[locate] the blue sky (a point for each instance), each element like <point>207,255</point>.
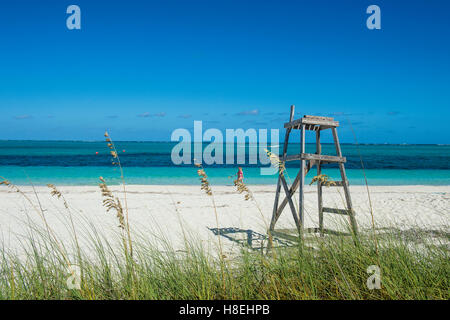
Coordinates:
<point>144,68</point>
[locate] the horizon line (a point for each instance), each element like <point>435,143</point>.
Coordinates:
<point>165,141</point>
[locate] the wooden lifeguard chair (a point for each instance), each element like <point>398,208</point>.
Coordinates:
<point>307,161</point>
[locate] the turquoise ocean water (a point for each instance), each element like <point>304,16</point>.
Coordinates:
<point>81,163</point>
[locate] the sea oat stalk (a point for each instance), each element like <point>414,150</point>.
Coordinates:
<point>207,188</point>
<point>116,161</point>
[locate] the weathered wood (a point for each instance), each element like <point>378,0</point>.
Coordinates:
<point>319,184</point>
<point>337,184</point>
<point>319,122</point>
<point>327,231</point>
<point>286,236</point>
<point>333,184</point>
<point>275,204</point>
<point>291,204</point>
<point>307,160</point>
<point>301,207</point>
<point>292,189</point>
<point>289,234</point>
<point>290,231</point>
<point>345,183</point>
<point>277,194</point>
<point>337,211</point>
<point>318,117</point>
<point>291,115</point>
<point>309,121</point>
<point>317,157</point>
<point>313,127</point>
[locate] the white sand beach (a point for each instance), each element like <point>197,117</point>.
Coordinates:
<point>176,211</point>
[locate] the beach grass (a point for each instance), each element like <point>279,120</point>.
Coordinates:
<point>323,268</point>
<point>93,266</point>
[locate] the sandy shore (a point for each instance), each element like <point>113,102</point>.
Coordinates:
<point>175,211</point>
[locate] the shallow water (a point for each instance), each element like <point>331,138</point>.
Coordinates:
<point>80,163</point>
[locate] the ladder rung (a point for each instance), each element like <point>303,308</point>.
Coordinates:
<point>327,231</point>
<point>312,156</point>
<point>285,234</point>
<point>292,234</point>
<point>313,121</point>
<point>334,184</point>
<point>334,210</point>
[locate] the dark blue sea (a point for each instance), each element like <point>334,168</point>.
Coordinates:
<point>82,163</point>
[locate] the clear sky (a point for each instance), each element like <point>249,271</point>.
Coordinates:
<point>143,68</point>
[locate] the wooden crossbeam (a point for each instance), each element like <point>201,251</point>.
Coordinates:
<point>291,203</point>
<point>289,234</point>
<point>335,184</point>
<point>308,121</point>
<point>318,117</point>
<point>292,190</point>
<point>285,235</point>
<point>275,214</point>
<point>318,157</point>
<point>337,211</point>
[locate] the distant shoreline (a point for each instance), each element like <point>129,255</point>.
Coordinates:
<point>279,142</point>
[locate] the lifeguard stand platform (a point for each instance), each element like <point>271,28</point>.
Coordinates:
<point>307,161</point>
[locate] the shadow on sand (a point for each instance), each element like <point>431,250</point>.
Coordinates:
<point>249,238</point>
